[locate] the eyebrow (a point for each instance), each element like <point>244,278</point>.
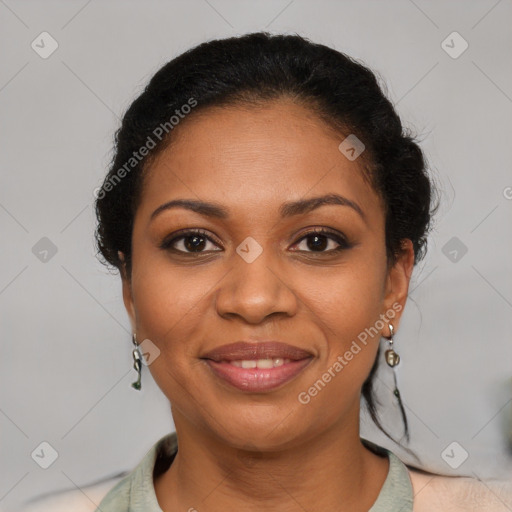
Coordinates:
<point>288,209</point>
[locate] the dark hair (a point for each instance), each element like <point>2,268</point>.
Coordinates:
<point>251,70</point>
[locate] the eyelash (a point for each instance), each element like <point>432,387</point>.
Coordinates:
<point>343,244</point>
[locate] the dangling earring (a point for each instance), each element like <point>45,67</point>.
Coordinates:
<point>393,359</point>
<point>137,363</point>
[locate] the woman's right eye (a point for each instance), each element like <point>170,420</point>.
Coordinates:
<point>188,242</point>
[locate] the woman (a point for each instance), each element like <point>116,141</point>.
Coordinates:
<point>265,210</point>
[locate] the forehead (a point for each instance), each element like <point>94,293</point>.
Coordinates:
<point>253,159</point>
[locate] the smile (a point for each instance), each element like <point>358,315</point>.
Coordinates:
<point>258,375</point>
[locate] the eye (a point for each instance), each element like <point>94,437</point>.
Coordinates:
<point>318,240</point>
<point>188,242</point>
<point>196,242</point>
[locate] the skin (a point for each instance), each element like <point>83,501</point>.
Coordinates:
<point>253,451</point>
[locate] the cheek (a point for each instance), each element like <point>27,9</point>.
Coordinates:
<point>168,300</point>
<point>347,298</point>
<point>168,306</point>
<point>346,318</point>
<point>346,305</point>
<point>173,309</point>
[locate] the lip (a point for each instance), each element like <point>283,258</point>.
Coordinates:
<point>261,350</point>
<point>257,379</point>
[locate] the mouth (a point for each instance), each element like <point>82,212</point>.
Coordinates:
<point>257,367</point>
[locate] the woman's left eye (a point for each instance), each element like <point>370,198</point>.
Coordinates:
<point>318,240</point>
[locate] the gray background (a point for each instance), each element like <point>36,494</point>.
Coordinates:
<point>65,355</point>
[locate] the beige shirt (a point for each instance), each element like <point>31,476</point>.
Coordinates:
<point>134,491</point>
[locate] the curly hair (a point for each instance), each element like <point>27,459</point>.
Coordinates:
<point>251,70</point>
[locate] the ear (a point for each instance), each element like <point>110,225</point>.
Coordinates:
<point>127,293</point>
<point>397,282</point>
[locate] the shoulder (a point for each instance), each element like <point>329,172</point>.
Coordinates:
<point>85,499</point>
<point>112,494</point>
<point>433,493</point>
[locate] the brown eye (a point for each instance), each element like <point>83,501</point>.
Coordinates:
<point>188,242</point>
<point>321,239</point>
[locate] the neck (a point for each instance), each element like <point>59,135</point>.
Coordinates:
<point>209,474</point>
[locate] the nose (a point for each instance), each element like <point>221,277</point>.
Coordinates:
<point>254,291</point>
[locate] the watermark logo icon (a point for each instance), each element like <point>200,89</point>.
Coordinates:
<point>454,45</point>
<point>250,455</point>
<point>44,249</point>
<point>351,147</point>
<point>454,249</point>
<point>249,249</point>
<point>454,455</point>
<point>44,45</point>
<point>149,352</point>
<point>44,455</point>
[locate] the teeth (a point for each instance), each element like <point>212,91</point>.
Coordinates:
<point>260,363</point>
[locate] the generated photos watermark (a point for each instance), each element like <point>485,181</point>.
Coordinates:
<point>304,397</point>
<point>137,156</point>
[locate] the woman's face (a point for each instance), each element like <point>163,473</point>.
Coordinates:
<point>254,275</point>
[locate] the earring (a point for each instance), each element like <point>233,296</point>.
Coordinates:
<point>137,363</point>
<point>392,358</point>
